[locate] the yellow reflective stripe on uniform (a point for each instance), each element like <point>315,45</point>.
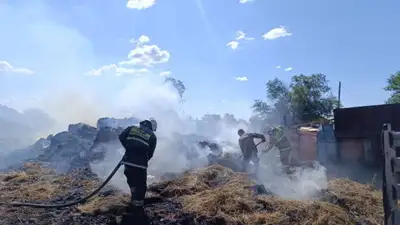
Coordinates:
<point>133,165</point>
<point>135,131</point>
<point>285,149</point>
<point>137,139</point>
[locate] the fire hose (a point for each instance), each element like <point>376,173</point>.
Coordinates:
<point>79,201</point>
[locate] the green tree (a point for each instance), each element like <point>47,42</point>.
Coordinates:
<point>261,109</point>
<point>306,98</point>
<point>393,85</point>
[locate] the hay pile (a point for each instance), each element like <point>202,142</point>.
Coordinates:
<point>38,183</point>
<point>212,195</point>
<point>218,192</point>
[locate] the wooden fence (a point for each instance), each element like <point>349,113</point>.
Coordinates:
<point>391,172</point>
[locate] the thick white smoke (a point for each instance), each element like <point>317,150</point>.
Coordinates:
<point>302,184</point>
<point>68,97</point>
<point>150,96</point>
<point>177,134</point>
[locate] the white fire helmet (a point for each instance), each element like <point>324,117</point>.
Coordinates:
<point>153,123</point>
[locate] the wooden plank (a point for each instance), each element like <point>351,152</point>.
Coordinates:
<point>396,165</point>
<point>396,191</point>
<point>389,155</point>
<point>396,216</point>
<point>394,139</point>
<point>387,185</point>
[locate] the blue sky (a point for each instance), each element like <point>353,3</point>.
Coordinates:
<point>53,43</point>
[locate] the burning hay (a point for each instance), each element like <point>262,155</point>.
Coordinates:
<point>212,195</point>
<point>193,181</point>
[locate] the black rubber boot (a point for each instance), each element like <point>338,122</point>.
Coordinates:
<point>140,215</point>
<point>138,211</point>
<point>136,217</point>
<point>127,219</point>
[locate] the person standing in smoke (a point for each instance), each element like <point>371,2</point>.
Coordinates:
<point>278,139</point>
<point>249,148</point>
<point>139,143</point>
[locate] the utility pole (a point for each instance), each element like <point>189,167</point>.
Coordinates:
<point>339,93</point>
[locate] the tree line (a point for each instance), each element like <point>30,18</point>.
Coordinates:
<point>305,98</point>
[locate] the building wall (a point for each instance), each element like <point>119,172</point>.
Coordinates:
<point>365,121</point>
<point>304,145</point>
<point>308,146</point>
<point>326,145</point>
<point>351,150</point>
<point>364,151</point>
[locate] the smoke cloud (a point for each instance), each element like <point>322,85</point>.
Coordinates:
<point>177,134</point>
<point>302,184</point>
<point>177,149</point>
<point>59,55</point>
<point>177,137</point>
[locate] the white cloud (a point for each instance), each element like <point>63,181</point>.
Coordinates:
<point>245,1</point>
<point>143,39</point>
<point>278,67</point>
<point>241,35</point>
<point>165,73</point>
<point>276,33</point>
<point>241,78</point>
<point>142,55</point>
<point>288,69</point>
<point>140,4</point>
<point>146,55</point>
<point>122,70</point>
<point>113,69</point>
<point>233,45</point>
<point>6,67</point>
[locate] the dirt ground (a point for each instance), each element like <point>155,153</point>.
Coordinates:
<point>212,195</point>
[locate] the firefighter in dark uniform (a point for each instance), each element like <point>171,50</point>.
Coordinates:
<point>249,148</point>
<point>139,143</point>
